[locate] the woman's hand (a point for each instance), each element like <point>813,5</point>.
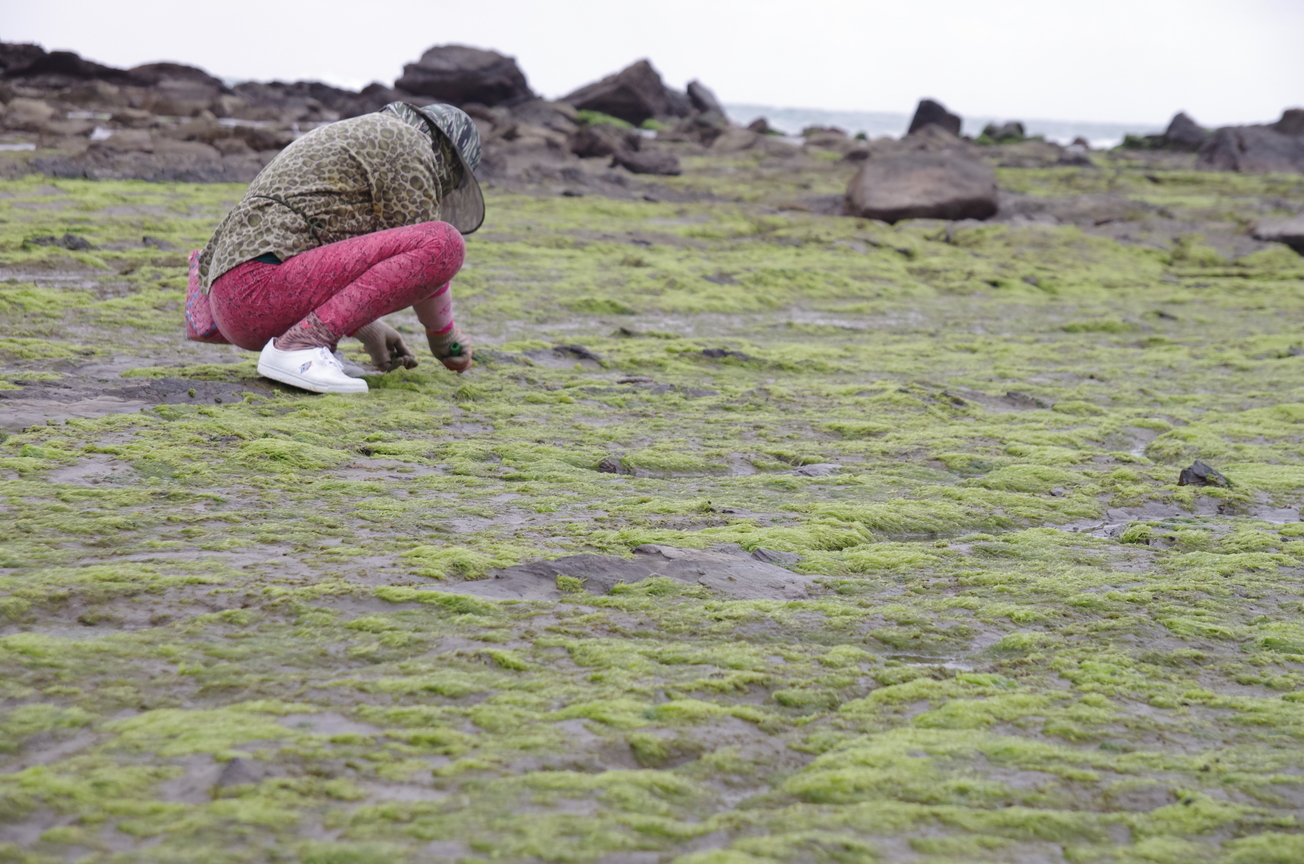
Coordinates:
<point>453,349</point>
<point>387,349</point>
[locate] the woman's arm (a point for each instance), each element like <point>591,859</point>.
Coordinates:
<point>449,344</point>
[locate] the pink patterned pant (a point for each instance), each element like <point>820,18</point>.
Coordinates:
<point>347,284</point>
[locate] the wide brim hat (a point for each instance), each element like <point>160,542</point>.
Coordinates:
<point>463,208</point>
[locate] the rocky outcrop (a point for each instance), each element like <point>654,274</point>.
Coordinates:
<point>1290,232</point>
<point>1185,134</point>
<point>703,99</point>
<point>63,68</point>
<point>16,55</point>
<point>634,94</point>
<point>1257,149</point>
<point>945,184</point>
<point>932,113</point>
<point>461,75</point>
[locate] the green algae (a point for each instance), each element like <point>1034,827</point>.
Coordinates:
<point>969,678</point>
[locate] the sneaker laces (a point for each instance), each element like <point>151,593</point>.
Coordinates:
<point>328,358</point>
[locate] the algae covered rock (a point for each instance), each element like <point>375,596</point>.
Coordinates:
<point>922,185</point>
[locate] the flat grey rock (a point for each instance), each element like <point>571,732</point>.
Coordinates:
<point>740,577</point>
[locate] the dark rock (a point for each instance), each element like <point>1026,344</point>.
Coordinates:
<point>154,74</point>
<point>579,352</point>
<point>703,99</point>
<point>1291,122</point>
<point>656,162</point>
<point>1006,133</point>
<point>298,101</point>
<point>934,113</point>
<point>923,185</point>
<point>761,126</point>
<point>680,104</point>
<point>62,68</point>
<point>71,242</point>
<point>1290,232</point>
<point>1200,474</point>
<point>1184,134</point>
<point>602,139</point>
<point>458,74</point>
<point>612,466</point>
<point>1252,149</point>
<point>17,55</point>
<point>633,94</point>
<point>701,128</point>
<point>725,353</point>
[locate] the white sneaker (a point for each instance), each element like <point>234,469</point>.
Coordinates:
<point>313,369</point>
<point>353,370</point>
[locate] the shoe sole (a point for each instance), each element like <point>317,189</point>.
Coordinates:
<point>355,385</point>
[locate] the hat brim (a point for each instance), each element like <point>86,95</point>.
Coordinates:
<point>463,208</point>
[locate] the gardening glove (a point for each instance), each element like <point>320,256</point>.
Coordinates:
<point>452,348</point>
<point>386,347</point>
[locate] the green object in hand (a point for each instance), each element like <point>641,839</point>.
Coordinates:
<point>455,349</point>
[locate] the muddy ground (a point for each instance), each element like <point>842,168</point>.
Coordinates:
<point>924,587</point>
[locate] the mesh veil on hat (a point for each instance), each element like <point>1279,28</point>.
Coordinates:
<point>463,207</point>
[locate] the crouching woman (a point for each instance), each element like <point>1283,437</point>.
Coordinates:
<point>351,222</point>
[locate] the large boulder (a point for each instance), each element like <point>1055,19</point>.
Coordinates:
<point>461,75</point>
<point>1290,232</point>
<point>919,184</point>
<point>703,99</point>
<point>1256,149</point>
<point>633,94</point>
<point>1184,133</point>
<point>930,112</point>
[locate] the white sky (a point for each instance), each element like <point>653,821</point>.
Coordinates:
<point>1109,60</point>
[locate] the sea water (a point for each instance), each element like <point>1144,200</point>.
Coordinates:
<point>876,124</point>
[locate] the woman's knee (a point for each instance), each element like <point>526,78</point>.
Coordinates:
<point>444,244</point>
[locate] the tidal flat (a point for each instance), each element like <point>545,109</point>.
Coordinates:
<point>232,618</point>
